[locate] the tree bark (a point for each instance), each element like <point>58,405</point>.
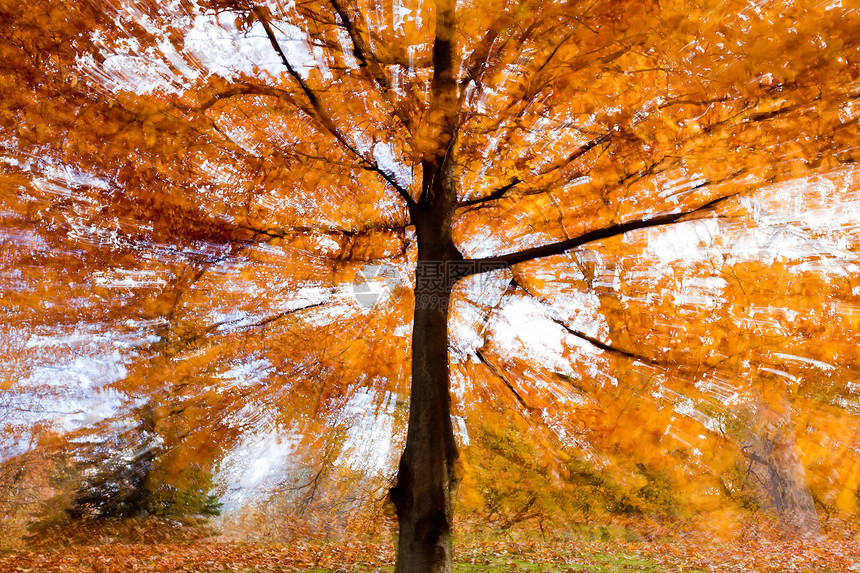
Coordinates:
<point>426,480</point>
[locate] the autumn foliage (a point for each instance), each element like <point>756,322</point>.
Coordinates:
<point>614,245</point>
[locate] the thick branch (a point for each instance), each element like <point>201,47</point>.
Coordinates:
<point>497,194</point>
<point>349,236</point>
<point>284,233</point>
<point>503,261</point>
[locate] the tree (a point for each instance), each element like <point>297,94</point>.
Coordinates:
<point>210,176</point>
<point>125,482</point>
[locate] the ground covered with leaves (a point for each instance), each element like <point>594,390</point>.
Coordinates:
<point>822,556</point>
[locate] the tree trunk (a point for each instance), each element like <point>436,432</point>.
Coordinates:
<point>783,478</point>
<point>426,481</point>
<point>787,485</point>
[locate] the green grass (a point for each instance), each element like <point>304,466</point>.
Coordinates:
<point>585,564</point>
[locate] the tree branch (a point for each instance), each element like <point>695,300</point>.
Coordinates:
<point>581,335</point>
<point>248,89</point>
<point>751,118</point>
<point>479,353</point>
<point>284,233</point>
<point>534,85</point>
<point>504,261</point>
<point>478,58</point>
<point>606,347</point>
<point>350,237</point>
<point>362,51</point>
<point>514,181</point>
<point>185,342</point>
<point>496,194</point>
<point>319,110</point>
<point>281,315</point>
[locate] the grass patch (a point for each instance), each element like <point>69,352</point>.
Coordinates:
<point>591,563</point>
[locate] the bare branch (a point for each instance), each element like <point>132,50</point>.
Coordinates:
<point>189,340</point>
<point>493,196</point>
<point>281,315</point>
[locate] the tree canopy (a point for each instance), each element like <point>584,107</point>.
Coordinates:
<point>631,228</point>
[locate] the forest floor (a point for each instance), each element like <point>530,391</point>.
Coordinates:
<point>535,556</point>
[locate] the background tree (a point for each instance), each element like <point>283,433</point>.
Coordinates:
<point>666,190</point>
